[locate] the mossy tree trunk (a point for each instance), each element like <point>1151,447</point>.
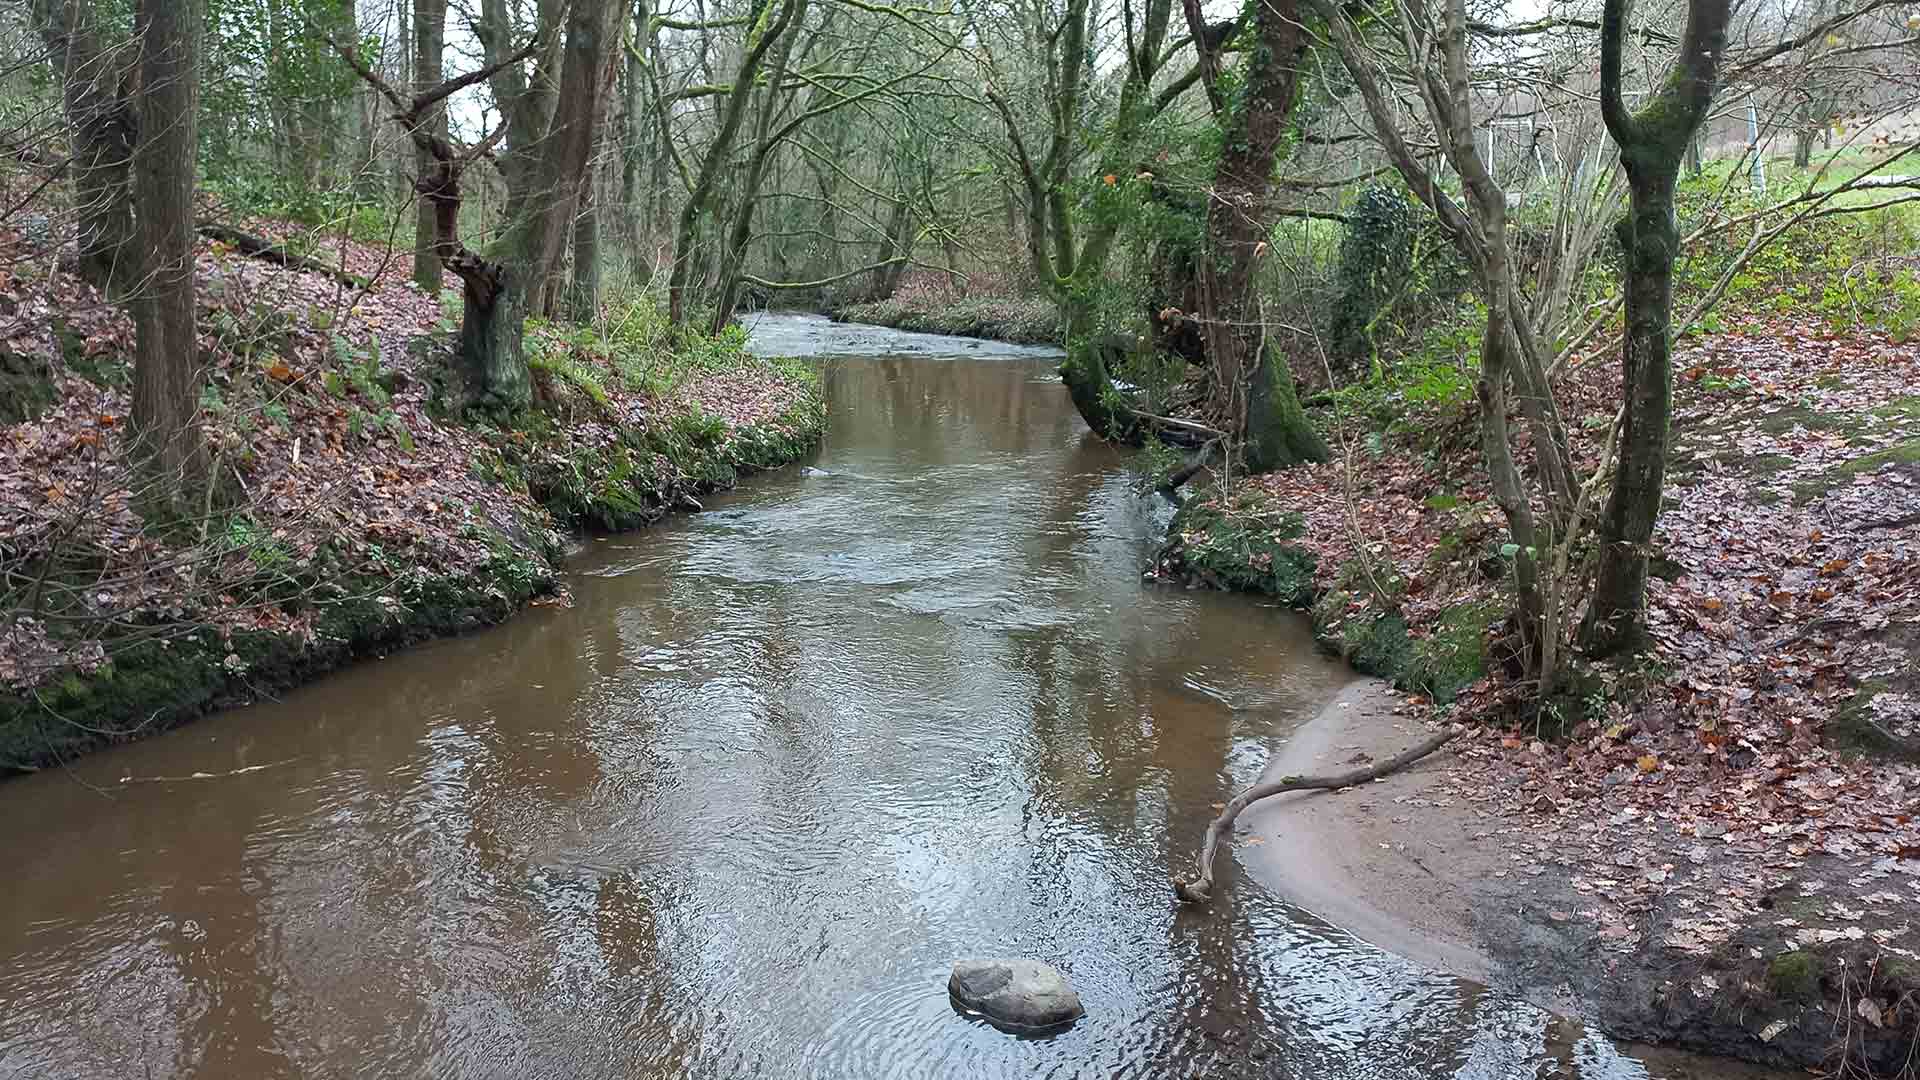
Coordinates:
<point>584,298</point>
<point>1088,374</point>
<point>1252,393</point>
<point>1069,255</point>
<point>1653,143</point>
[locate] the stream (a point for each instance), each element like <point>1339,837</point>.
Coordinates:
<point>736,810</point>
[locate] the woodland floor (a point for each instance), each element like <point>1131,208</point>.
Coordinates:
<point>353,511</point>
<point>1727,827</point>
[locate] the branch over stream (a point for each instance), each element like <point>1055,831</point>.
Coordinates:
<point>1200,890</point>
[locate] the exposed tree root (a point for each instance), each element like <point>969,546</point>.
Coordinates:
<point>1200,890</point>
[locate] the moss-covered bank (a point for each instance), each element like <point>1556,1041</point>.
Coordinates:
<point>156,678</point>
<point>1030,321</point>
<point>1246,542</point>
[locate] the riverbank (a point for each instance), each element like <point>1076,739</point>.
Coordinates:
<point>1713,848</point>
<point>353,511</point>
<point>1017,320</point>
<point>1456,864</point>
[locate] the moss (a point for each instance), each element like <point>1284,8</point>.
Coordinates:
<point>1906,408</point>
<point>1786,420</point>
<point>1901,453</point>
<point>637,480</point>
<point>1454,656</point>
<point>1851,729</point>
<point>154,685</point>
<point>1378,646</point>
<point>1242,546</point>
<point>1794,976</point>
<point>26,386</point>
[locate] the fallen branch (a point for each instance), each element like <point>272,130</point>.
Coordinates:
<point>1171,487</point>
<point>1174,423</point>
<point>260,247</point>
<point>1200,890</point>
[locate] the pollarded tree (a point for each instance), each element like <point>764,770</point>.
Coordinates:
<point>549,126</point>
<point>1653,142</point>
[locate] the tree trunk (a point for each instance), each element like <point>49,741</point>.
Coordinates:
<point>733,114</point>
<point>585,79</point>
<point>886,272</point>
<point>1252,390</point>
<point>1087,373</point>
<point>166,366</point>
<point>1652,143</point>
<point>429,47</point>
<point>97,106</point>
<point>584,301</point>
<point>493,339</point>
<point>634,209</point>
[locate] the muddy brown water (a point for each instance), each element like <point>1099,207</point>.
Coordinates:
<point>735,811</point>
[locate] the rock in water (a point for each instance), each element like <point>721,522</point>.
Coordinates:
<point>1017,995</point>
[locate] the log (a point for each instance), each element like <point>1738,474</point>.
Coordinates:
<point>260,247</point>
<point>1200,890</point>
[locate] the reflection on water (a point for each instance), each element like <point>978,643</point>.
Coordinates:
<point>735,811</point>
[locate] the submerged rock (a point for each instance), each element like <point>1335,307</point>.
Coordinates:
<point>1015,994</point>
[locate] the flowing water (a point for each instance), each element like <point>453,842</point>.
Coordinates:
<point>735,812</point>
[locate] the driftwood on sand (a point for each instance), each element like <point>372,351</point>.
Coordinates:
<point>1200,890</point>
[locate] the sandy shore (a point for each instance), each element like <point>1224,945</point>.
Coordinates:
<point>1420,866</point>
<point>1394,862</point>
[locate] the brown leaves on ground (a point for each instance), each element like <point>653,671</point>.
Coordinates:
<point>1708,777</point>
<point>316,415</point>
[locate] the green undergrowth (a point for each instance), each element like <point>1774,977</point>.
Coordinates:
<point>1248,543</point>
<point>1368,631</point>
<point>1022,321</point>
<point>1852,270</point>
<point>1240,544</point>
<point>655,446</point>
